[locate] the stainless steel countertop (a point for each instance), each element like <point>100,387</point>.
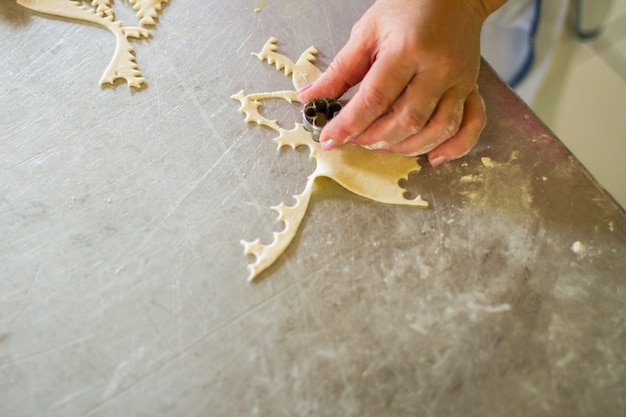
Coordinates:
<point>123,284</point>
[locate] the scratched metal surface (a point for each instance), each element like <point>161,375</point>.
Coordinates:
<point>123,291</point>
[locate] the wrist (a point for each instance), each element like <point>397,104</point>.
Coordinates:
<point>481,9</point>
<point>491,6</point>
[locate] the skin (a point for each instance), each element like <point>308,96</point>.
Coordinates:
<point>417,63</point>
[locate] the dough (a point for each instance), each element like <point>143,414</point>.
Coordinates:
<point>260,4</point>
<point>123,64</point>
<point>487,162</point>
<point>371,174</point>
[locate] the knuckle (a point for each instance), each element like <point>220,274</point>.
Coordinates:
<point>447,130</point>
<point>376,102</point>
<point>411,120</point>
<point>359,28</point>
<point>336,65</point>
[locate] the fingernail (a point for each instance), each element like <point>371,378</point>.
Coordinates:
<point>329,145</point>
<point>438,161</point>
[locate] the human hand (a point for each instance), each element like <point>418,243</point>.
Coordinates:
<point>417,62</point>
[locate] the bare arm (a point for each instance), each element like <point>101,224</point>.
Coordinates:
<point>417,63</point>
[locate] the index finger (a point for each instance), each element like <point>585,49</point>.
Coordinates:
<point>387,78</point>
<point>346,70</point>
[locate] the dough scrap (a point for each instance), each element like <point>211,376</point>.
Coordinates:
<point>488,162</point>
<point>123,64</point>
<point>260,4</point>
<point>370,174</point>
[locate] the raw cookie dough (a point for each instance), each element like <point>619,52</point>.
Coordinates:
<point>371,174</point>
<point>123,64</point>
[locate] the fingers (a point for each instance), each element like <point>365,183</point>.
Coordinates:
<point>447,127</point>
<point>424,110</point>
<point>474,121</point>
<point>347,69</point>
<point>382,85</point>
<point>417,68</point>
<point>441,125</point>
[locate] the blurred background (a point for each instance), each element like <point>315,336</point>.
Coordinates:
<point>583,98</point>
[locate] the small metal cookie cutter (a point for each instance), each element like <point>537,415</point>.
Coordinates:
<point>317,113</point>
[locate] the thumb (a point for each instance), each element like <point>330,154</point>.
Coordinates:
<point>347,69</point>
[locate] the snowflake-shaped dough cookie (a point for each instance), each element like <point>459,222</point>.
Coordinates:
<point>371,174</point>
<point>123,64</point>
